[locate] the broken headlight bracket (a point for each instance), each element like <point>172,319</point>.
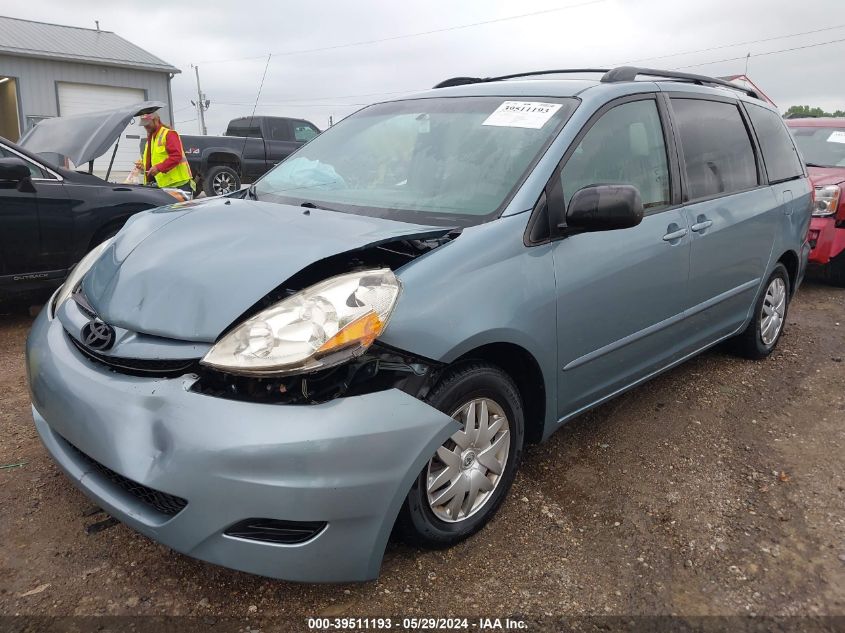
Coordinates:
<point>380,367</point>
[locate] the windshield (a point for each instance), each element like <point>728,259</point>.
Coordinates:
<point>823,146</point>
<point>444,161</point>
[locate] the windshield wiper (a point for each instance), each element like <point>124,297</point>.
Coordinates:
<point>310,205</point>
<point>250,192</point>
<point>817,165</point>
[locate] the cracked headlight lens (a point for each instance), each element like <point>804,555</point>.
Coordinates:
<point>321,326</point>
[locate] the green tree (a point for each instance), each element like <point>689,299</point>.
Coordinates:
<point>806,111</point>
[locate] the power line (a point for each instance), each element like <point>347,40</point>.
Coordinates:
<point>304,105</point>
<point>409,35</point>
<point>723,46</point>
<point>295,102</point>
<point>782,50</point>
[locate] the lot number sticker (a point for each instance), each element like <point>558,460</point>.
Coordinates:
<point>528,114</point>
<point>837,137</point>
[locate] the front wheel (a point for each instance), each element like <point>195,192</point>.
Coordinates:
<point>468,477</point>
<point>220,180</point>
<point>760,338</point>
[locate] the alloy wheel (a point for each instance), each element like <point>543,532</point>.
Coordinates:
<point>774,309</point>
<point>467,468</point>
<point>223,183</point>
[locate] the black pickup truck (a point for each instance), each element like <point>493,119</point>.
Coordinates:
<point>250,147</point>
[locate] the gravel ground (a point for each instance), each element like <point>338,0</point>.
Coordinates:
<point>716,489</point>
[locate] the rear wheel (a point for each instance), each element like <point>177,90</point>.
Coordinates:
<point>220,180</point>
<point>760,338</point>
<point>467,478</point>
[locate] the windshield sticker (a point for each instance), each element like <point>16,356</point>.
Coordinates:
<point>527,114</point>
<point>837,137</point>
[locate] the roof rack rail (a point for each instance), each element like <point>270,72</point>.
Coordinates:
<point>461,81</point>
<point>630,73</point>
<point>621,73</point>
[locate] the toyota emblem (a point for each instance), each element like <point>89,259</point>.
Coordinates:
<point>98,335</point>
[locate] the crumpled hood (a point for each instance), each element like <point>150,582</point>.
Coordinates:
<point>823,176</point>
<point>187,271</point>
<point>83,137</point>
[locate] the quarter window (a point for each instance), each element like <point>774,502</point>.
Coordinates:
<point>625,146</point>
<point>779,155</point>
<point>717,149</point>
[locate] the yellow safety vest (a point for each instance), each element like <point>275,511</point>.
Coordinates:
<point>177,176</point>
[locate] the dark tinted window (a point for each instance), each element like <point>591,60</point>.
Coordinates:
<point>244,127</point>
<point>624,146</point>
<point>277,130</point>
<point>717,149</point>
<point>779,153</point>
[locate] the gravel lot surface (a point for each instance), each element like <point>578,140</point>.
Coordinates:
<point>718,488</point>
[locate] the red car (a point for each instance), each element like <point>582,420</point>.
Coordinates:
<point>822,143</point>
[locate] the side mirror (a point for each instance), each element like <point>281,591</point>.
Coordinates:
<point>13,170</point>
<point>605,208</point>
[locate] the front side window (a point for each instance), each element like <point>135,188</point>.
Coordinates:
<point>779,155</point>
<point>717,149</point>
<point>625,146</point>
<point>35,172</point>
<point>820,146</point>
<point>303,131</point>
<point>445,161</point>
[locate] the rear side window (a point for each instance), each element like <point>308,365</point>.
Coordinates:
<point>277,130</point>
<point>244,127</point>
<point>779,155</point>
<point>625,146</point>
<point>717,149</point>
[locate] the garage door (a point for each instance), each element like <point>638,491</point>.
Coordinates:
<point>84,98</point>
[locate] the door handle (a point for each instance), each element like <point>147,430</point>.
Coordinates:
<point>701,224</point>
<point>674,235</point>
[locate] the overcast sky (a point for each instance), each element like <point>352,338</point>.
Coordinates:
<point>314,84</point>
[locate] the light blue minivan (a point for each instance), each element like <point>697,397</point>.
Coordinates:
<point>367,337</point>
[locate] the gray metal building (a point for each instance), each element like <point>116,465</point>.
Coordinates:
<point>49,70</point>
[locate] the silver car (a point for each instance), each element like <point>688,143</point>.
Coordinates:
<point>368,336</point>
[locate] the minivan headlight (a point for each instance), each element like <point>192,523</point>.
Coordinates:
<point>319,327</point>
<point>78,273</point>
<point>827,200</point>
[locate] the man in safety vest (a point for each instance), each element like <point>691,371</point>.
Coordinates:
<point>164,159</point>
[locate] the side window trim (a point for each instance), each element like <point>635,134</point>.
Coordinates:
<point>762,181</point>
<point>762,176</point>
<point>47,174</point>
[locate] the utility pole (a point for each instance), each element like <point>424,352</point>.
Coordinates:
<point>201,103</point>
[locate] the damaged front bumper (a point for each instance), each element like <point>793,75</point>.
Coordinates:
<point>216,463</point>
<point>826,240</point>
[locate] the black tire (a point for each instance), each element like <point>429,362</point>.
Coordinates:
<point>749,343</point>
<point>417,523</point>
<point>215,176</point>
<point>836,270</point>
